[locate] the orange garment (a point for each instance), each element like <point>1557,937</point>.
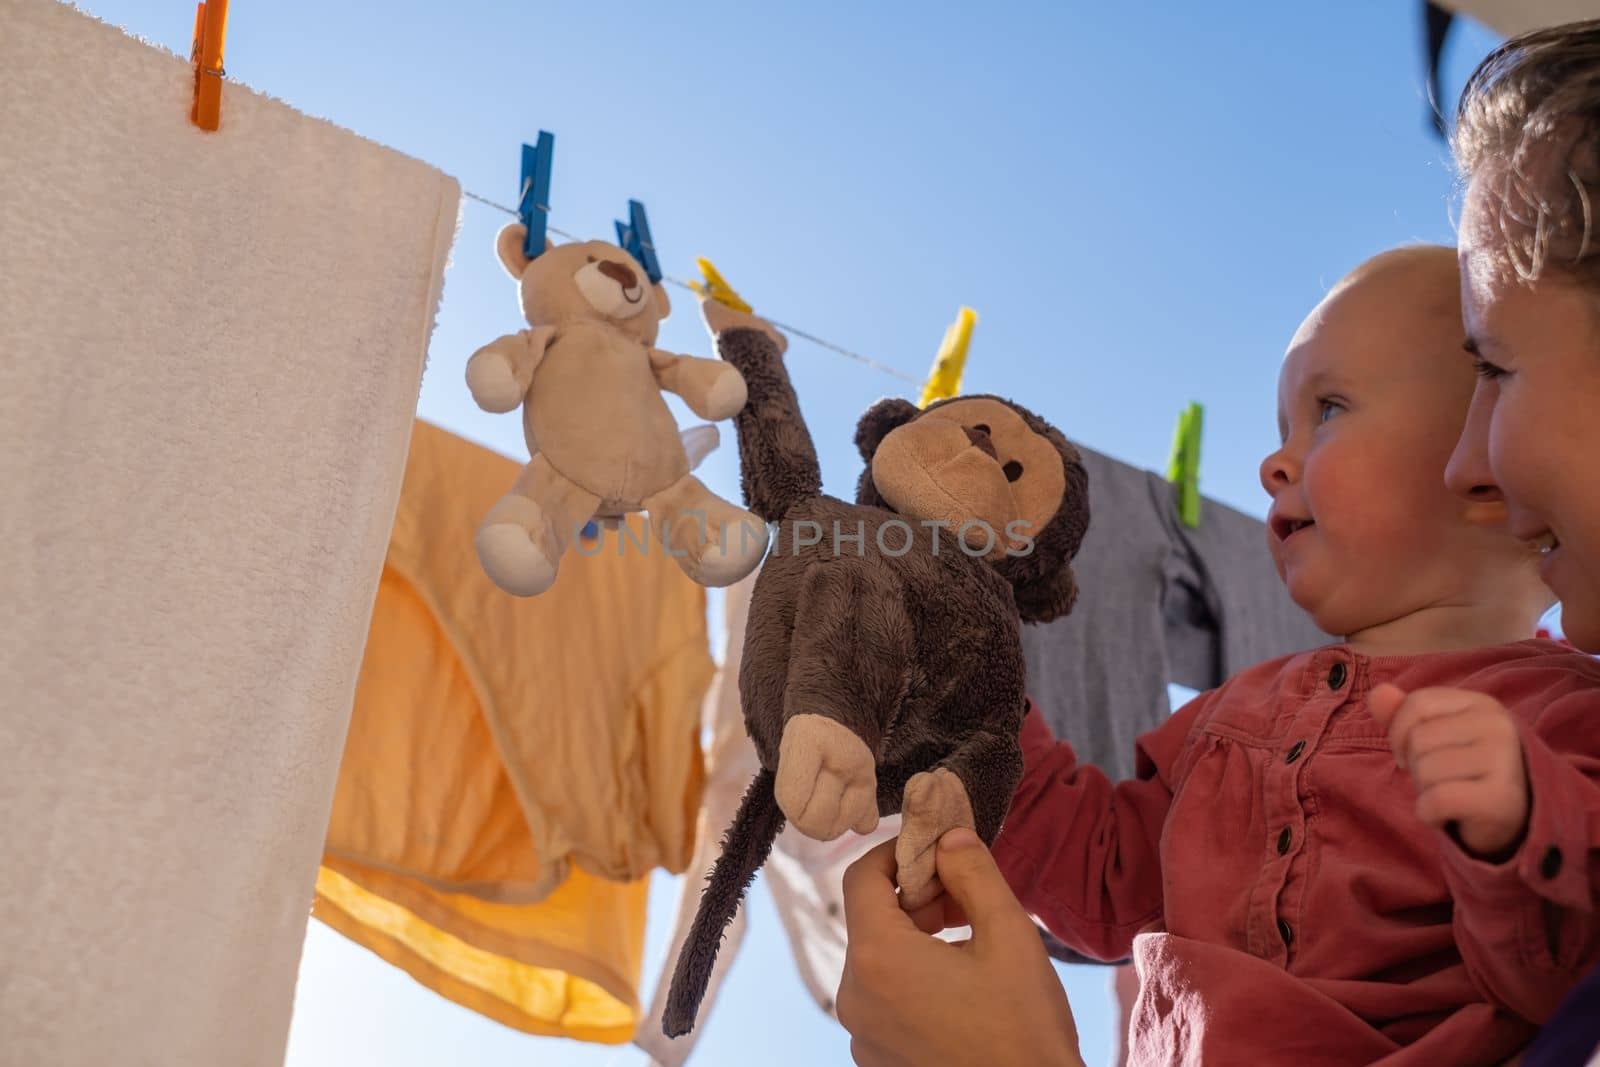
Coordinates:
<point>516,767</point>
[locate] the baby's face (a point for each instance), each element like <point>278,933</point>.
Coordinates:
<point>1371,399</point>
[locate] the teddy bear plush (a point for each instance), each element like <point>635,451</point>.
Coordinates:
<point>602,441</point>
<point>882,669</point>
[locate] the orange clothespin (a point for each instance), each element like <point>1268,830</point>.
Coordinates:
<point>210,27</point>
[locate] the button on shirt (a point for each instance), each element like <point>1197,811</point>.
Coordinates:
<point>1267,869</point>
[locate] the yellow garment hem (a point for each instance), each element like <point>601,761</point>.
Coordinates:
<point>547,998</point>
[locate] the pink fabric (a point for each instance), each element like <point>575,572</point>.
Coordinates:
<point>1272,804</point>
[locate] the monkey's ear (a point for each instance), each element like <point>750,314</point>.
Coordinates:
<point>886,415</point>
<point>1047,598</point>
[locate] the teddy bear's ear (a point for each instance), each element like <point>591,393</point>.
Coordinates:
<point>881,418</point>
<point>509,246</point>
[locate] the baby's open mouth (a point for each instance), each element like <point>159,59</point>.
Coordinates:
<point>1285,528</point>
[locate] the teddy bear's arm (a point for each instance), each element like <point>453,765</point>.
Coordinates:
<point>500,373</point>
<point>711,388</point>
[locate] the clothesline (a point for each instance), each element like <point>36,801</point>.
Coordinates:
<point>884,368</point>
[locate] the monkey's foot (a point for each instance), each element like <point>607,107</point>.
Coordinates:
<point>516,548</point>
<point>827,779</point>
<point>934,803</point>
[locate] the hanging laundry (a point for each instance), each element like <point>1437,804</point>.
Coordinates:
<point>516,767</point>
<point>213,343</point>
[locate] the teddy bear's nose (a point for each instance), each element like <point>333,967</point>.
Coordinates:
<point>619,273</point>
<point>980,440</point>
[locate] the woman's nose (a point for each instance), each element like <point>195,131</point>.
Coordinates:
<point>1468,474</point>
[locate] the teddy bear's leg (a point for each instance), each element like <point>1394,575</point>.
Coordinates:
<point>848,675</point>
<point>971,788</point>
<point>522,539</point>
<point>714,542</point>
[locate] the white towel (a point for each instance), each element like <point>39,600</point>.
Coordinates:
<point>210,352</point>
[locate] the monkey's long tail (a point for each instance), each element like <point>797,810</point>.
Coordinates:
<point>744,849</point>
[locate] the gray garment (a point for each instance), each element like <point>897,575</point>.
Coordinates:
<point>1158,602</point>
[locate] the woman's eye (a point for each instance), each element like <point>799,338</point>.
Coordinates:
<point>1486,370</point>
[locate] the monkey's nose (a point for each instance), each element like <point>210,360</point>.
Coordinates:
<point>619,273</point>
<point>980,440</point>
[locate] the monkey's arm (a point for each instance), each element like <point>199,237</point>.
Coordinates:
<point>849,672</point>
<point>712,389</point>
<point>500,373</point>
<point>777,460</point>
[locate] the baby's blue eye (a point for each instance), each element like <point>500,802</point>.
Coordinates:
<point>1327,409</point>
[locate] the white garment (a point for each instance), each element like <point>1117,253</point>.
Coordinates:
<point>210,351</point>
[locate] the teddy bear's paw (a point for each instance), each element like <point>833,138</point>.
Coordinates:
<point>511,550</point>
<point>827,780</point>
<point>734,547</point>
<point>727,395</point>
<point>934,802</point>
<point>492,382</point>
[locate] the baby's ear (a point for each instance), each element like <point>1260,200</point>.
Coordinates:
<point>509,246</point>
<point>880,419</point>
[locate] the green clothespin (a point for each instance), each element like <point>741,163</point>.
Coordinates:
<point>1184,469</point>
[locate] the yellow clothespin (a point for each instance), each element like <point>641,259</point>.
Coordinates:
<point>944,381</point>
<point>717,287</point>
<point>210,28</point>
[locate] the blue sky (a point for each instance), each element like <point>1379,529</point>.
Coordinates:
<point>1141,201</point>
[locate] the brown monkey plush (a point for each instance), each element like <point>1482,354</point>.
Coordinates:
<point>883,667</point>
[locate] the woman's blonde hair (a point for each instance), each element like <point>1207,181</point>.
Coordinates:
<point>1529,125</point>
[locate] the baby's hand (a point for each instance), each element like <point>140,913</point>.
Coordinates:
<point>1462,751</point>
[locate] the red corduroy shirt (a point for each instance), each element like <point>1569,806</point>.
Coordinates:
<point>1283,904</point>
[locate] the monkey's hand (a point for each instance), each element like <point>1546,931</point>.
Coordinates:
<point>934,803</point>
<point>827,779</point>
<point>719,318</point>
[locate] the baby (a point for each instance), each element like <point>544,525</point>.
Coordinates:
<point>1378,850</point>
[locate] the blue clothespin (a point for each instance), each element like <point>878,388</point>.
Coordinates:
<point>634,237</point>
<point>534,206</point>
